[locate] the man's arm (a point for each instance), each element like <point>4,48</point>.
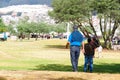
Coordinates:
<point>83,51</point>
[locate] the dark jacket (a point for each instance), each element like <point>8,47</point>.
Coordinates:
<point>89,49</point>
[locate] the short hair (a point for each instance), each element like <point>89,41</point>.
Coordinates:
<point>89,39</point>
<point>75,27</point>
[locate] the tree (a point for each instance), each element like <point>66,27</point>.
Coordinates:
<point>81,11</point>
<point>43,27</point>
<point>109,18</point>
<point>11,30</point>
<point>60,28</point>
<point>77,12</point>
<point>24,28</point>
<point>3,27</point>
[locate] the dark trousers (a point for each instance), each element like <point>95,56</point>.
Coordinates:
<point>88,63</point>
<point>74,54</point>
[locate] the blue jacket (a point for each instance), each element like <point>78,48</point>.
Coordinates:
<point>75,38</point>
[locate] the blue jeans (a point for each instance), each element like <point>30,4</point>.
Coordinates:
<point>74,54</point>
<point>88,63</point>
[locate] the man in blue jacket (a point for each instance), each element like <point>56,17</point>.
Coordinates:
<point>75,40</point>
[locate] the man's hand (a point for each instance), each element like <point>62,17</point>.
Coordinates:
<point>67,45</point>
<point>83,51</point>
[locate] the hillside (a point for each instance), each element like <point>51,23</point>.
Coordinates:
<point>5,3</point>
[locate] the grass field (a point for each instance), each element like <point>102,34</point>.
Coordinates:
<point>50,55</point>
<point>27,55</point>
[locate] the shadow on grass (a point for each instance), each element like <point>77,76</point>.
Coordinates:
<point>102,68</point>
<point>107,68</point>
<point>55,46</point>
<point>53,67</point>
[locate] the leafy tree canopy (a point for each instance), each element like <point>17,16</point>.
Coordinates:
<point>2,26</point>
<point>69,10</point>
<point>81,12</point>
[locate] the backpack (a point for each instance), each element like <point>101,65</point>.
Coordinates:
<point>88,49</point>
<point>76,36</point>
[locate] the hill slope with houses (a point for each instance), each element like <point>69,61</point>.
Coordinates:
<point>36,13</point>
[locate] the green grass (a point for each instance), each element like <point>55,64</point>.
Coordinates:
<point>49,55</point>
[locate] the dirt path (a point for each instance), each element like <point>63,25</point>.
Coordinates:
<point>55,75</point>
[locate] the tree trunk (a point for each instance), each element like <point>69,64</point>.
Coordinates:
<point>29,36</point>
<point>90,22</point>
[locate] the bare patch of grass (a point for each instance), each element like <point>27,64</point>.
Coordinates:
<point>57,75</point>
<point>2,78</point>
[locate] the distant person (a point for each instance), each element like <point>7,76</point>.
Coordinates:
<point>75,40</point>
<point>89,52</point>
<point>99,49</point>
